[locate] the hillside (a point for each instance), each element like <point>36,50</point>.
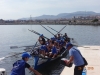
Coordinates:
<point>64,15</point>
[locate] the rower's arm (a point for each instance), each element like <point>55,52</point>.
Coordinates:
<point>33,70</point>
<point>70,59</point>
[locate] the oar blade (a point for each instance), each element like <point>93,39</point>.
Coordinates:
<point>13,47</point>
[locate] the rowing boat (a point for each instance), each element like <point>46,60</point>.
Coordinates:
<point>42,62</point>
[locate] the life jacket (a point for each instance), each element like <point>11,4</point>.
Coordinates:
<point>18,68</point>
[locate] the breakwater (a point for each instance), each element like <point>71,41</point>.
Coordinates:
<point>52,22</point>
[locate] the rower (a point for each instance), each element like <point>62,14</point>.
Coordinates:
<point>41,39</point>
<point>20,65</point>
<point>55,36</point>
<point>62,43</point>
<point>59,37</point>
<point>57,45</point>
<point>53,52</point>
<point>43,51</point>
<point>66,37</point>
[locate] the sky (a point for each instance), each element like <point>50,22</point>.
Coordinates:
<point>16,9</point>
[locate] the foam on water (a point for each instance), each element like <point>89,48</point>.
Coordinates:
<point>2,58</point>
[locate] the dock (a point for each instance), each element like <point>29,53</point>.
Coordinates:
<point>92,55</point>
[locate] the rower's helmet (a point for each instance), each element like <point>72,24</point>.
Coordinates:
<point>68,44</point>
<point>41,35</point>
<point>25,54</point>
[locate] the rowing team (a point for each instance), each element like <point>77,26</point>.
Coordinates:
<point>52,47</point>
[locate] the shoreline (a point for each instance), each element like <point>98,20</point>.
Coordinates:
<point>93,24</point>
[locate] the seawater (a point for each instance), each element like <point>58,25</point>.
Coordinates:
<point>18,35</point>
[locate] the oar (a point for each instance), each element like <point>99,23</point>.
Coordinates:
<point>59,32</point>
<point>13,47</point>
<point>32,51</point>
<point>34,32</point>
<point>29,50</point>
<point>33,47</point>
<point>54,30</point>
<point>47,29</point>
<point>61,29</point>
<point>37,33</point>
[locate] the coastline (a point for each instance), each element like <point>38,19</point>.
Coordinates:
<point>62,21</point>
<point>94,24</point>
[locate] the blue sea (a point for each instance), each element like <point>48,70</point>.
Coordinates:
<point>19,35</point>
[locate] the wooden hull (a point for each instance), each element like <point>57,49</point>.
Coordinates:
<point>40,63</point>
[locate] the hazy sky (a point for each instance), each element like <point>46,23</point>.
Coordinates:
<point>15,9</point>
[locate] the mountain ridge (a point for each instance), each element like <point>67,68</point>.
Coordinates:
<point>64,15</point>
